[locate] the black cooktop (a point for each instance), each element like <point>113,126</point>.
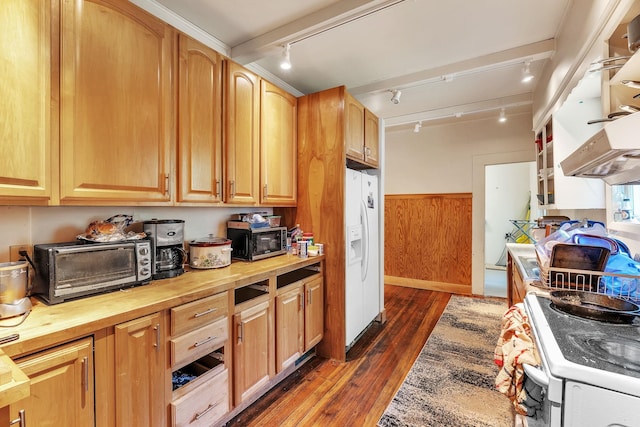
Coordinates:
<point>597,344</point>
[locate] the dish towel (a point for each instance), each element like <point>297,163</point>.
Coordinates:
<point>516,346</point>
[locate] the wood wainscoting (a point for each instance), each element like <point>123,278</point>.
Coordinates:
<point>427,241</point>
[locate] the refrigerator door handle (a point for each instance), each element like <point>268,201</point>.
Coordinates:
<point>365,239</point>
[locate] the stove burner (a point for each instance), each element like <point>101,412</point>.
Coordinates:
<point>617,351</point>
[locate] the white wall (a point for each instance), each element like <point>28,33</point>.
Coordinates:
<point>507,197</point>
<point>439,158</point>
<point>33,225</point>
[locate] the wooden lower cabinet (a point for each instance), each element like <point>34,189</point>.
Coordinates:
<point>289,327</point>
<point>299,321</point>
<point>139,372</point>
<point>515,284</point>
<point>62,386</point>
<point>313,313</point>
<point>199,349</point>
<point>253,349</point>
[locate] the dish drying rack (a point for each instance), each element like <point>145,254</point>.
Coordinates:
<point>618,285</point>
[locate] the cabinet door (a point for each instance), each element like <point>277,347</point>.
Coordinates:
<point>253,363</point>
<point>116,112</point>
<point>313,313</point>
<point>25,90</point>
<point>61,386</point>
<point>278,146</point>
<point>354,128</point>
<point>289,327</point>
<point>139,364</point>
<point>242,133</point>
<point>371,139</point>
<point>199,123</point>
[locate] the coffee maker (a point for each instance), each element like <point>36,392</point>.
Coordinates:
<point>167,243</point>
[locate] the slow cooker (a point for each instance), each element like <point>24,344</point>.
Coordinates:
<point>210,252</point>
<point>14,285</point>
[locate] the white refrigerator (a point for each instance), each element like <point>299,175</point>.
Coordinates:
<point>362,293</point>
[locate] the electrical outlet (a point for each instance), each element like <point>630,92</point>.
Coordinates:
<point>14,252</point>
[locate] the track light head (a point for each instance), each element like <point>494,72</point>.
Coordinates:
<point>527,76</point>
<point>395,98</point>
<point>502,118</point>
<point>417,127</point>
<point>285,63</point>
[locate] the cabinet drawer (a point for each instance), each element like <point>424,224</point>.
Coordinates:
<point>188,317</point>
<point>193,345</point>
<point>203,405</point>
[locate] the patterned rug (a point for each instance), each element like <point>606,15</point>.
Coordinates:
<point>451,382</point>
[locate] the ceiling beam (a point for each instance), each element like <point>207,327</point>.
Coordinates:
<point>461,110</point>
<point>332,16</point>
<point>533,51</point>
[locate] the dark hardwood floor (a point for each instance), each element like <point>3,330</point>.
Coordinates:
<point>354,393</point>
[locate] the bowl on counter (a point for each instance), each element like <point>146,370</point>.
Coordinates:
<point>210,252</point>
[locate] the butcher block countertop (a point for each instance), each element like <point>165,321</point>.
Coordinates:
<point>49,325</point>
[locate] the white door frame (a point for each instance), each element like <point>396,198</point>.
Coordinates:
<point>478,209</point>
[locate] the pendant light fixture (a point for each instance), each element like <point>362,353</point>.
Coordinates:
<point>502,118</point>
<point>285,64</point>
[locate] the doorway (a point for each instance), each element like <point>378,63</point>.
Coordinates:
<point>480,202</point>
<point>507,197</point>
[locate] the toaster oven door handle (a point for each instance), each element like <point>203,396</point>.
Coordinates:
<point>536,375</point>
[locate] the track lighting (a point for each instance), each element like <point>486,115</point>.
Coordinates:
<point>502,118</point>
<point>395,98</point>
<point>285,64</point>
<point>526,73</point>
<point>417,127</point>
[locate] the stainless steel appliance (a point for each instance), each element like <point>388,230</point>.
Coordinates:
<point>75,269</point>
<point>14,286</point>
<point>251,244</point>
<point>612,154</point>
<point>167,244</point>
<point>590,369</point>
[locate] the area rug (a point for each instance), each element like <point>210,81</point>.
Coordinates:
<point>451,382</point>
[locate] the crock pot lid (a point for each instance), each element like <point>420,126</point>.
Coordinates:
<point>210,240</point>
<point>13,265</point>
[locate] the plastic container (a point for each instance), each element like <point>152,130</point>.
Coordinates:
<point>210,252</point>
<point>308,237</point>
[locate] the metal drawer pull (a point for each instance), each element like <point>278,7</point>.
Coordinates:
<point>199,343</point>
<point>202,313</point>
<point>85,365</point>
<point>157,344</point>
<point>22,419</point>
<point>203,413</point>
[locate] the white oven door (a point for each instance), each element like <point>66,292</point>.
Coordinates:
<point>586,405</point>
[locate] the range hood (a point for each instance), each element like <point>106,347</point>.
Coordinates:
<point>612,154</point>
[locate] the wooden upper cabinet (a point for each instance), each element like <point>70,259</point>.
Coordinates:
<point>242,133</point>
<point>116,104</point>
<point>361,132</point>
<point>26,88</point>
<point>278,146</point>
<point>371,138</point>
<point>354,128</point>
<point>199,123</point>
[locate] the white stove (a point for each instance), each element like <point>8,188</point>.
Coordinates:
<point>590,369</point>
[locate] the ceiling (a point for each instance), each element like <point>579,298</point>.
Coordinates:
<point>451,60</point>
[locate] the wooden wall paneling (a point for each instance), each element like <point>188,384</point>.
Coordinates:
<point>428,237</point>
<point>321,201</point>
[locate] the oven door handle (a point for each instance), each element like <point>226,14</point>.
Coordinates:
<point>536,375</point>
